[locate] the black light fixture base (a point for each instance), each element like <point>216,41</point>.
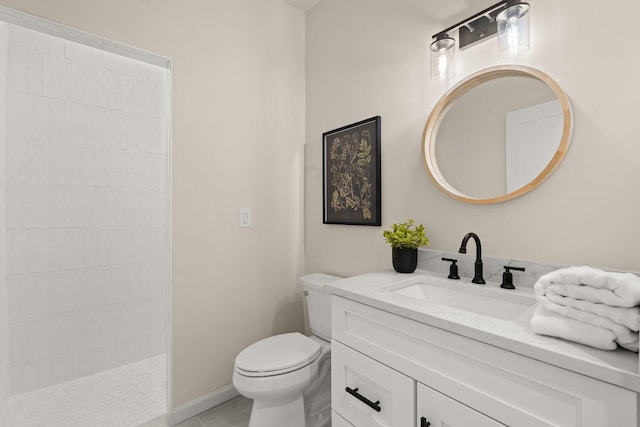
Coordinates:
<point>476,31</point>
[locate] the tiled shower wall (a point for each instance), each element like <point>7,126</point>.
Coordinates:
<point>87,209</point>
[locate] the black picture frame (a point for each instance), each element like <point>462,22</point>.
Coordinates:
<point>351,174</point>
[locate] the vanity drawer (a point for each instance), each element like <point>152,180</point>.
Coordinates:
<point>366,392</point>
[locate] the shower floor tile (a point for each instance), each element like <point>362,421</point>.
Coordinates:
<point>122,397</point>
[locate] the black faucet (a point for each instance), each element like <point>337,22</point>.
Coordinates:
<point>477,278</point>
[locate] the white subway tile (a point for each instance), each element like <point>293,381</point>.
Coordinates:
<point>51,249</point>
<point>41,301</point>
<point>57,46</point>
<point>34,73</point>
<point>54,324</point>
<point>64,78</point>
<point>67,249</point>
<point>35,166</point>
<point>57,120</point>
<point>84,53</point>
<point>103,88</point>
<point>87,246</point>
<point>59,369</point>
<point>91,84</point>
<point>18,251</point>
<point>28,295</point>
<point>29,206</point>
<point>19,342</point>
<point>36,250</point>
<point>59,297</point>
<point>78,85</point>
<point>14,297</point>
<point>42,42</point>
<point>71,50</point>
<point>15,380</point>
<point>65,331</point>
<point>139,347</point>
<point>13,205</point>
<point>29,376</point>
<point>38,332</point>
<point>19,68</point>
<point>17,160</point>
<point>116,81</point>
<point>42,118</point>
<point>22,116</point>
<point>49,75</point>
<point>26,37</point>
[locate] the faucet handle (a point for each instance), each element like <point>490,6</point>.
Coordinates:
<point>453,269</point>
<point>507,277</point>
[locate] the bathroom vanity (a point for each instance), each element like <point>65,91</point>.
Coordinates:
<point>421,350</point>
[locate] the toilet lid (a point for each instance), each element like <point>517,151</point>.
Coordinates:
<point>278,353</point>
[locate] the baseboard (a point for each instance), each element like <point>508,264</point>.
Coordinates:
<point>201,404</point>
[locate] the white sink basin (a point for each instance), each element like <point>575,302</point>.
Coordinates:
<point>487,300</point>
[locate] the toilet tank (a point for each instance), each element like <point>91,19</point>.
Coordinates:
<point>318,303</point>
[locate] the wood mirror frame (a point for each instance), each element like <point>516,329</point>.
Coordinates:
<point>443,105</point>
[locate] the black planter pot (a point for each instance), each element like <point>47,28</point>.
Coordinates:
<point>404,260</point>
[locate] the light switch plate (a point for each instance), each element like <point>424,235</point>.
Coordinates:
<point>245,217</point>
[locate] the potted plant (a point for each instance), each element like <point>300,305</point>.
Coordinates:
<point>405,238</point>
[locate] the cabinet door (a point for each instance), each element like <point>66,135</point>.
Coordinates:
<point>437,410</point>
<point>367,393</point>
<point>338,421</point>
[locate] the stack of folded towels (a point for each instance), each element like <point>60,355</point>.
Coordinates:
<point>589,306</point>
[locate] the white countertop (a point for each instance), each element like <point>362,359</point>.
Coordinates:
<point>618,367</point>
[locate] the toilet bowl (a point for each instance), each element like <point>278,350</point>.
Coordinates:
<point>288,375</point>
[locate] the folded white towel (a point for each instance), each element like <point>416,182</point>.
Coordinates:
<point>590,284</point>
<point>547,322</point>
<point>627,316</point>
<point>592,298</point>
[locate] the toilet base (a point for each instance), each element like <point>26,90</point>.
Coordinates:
<point>278,412</point>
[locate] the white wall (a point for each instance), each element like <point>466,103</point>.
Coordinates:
<point>4,307</point>
<point>370,57</point>
<point>87,212</point>
<point>238,133</point>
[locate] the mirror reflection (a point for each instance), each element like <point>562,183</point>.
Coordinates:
<point>497,134</point>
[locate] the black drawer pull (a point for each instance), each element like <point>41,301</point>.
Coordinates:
<point>354,392</point>
<point>424,422</point>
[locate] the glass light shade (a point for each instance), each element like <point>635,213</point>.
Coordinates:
<point>442,58</point>
<point>513,30</point>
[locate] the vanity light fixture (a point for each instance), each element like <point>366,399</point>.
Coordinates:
<point>508,18</point>
<point>442,56</point>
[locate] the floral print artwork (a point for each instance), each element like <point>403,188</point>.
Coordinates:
<point>351,174</point>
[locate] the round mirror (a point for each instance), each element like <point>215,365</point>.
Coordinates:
<point>497,135</point>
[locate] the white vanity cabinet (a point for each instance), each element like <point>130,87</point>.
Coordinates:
<point>416,370</point>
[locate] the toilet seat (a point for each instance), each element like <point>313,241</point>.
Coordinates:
<point>277,355</point>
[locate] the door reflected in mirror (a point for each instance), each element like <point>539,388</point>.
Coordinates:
<point>497,134</point>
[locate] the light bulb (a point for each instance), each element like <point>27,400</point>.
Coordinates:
<point>443,63</point>
<point>513,35</point>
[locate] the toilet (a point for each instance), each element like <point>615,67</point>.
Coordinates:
<point>288,376</point>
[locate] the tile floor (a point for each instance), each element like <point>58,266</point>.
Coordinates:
<point>123,397</point>
<point>234,413</point>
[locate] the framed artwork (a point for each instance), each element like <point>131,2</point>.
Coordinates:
<point>351,174</point>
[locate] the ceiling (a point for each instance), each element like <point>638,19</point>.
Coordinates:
<point>303,5</point>
<point>444,12</point>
